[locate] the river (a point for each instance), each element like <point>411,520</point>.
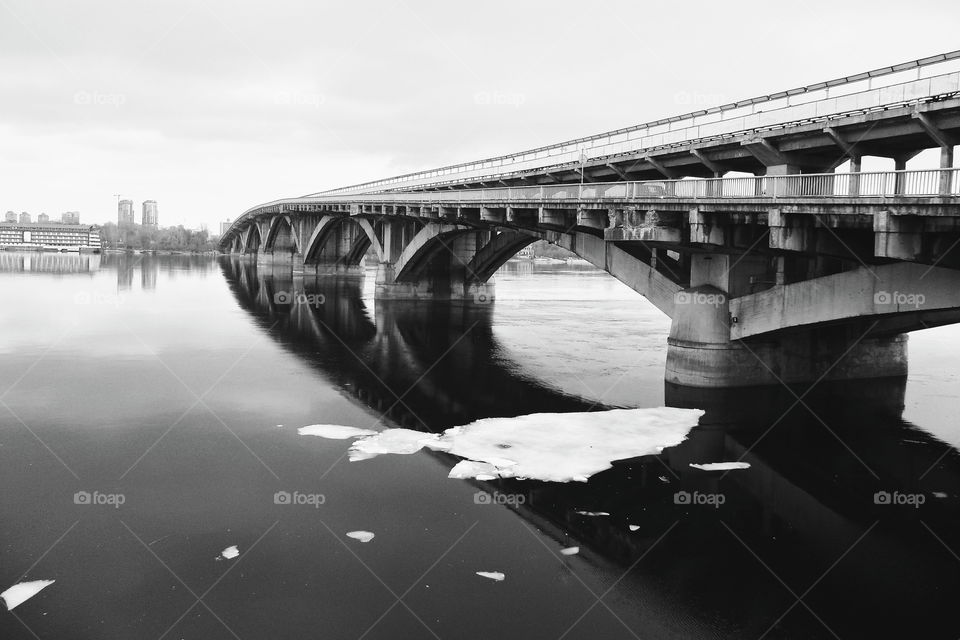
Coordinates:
<point>149,408</point>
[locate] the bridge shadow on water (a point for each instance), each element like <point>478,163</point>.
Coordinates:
<point>845,525</point>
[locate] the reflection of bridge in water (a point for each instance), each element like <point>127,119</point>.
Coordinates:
<point>802,506</point>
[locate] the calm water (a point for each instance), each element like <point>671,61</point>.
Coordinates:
<point>176,385</point>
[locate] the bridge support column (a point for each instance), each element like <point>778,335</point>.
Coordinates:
<point>701,353</point>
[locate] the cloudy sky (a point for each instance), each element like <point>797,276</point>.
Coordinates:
<point>212,106</point>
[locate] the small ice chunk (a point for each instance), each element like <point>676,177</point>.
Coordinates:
<point>593,513</point>
<point>23,591</point>
<point>334,431</point>
<point>230,552</point>
<point>492,575</point>
<point>939,494</point>
<point>362,536</point>
<point>473,469</point>
<point>720,466</point>
<point>570,551</point>
<point>401,441</point>
<point>633,527</point>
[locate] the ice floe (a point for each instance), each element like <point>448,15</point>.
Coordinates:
<point>334,431</point>
<point>230,552</point>
<point>492,575</point>
<point>563,447</point>
<point>554,447</point>
<point>23,591</point>
<point>473,469</point>
<point>720,466</point>
<point>403,441</point>
<point>362,536</point>
<point>592,513</point>
<point>633,527</point>
<point>570,551</point>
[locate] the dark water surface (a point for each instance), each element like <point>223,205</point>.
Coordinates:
<point>176,385</point>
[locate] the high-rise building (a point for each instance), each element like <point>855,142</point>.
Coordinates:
<point>11,217</point>
<point>224,226</point>
<point>150,213</point>
<point>125,212</point>
<point>24,218</point>
<point>43,218</point>
<point>70,217</point>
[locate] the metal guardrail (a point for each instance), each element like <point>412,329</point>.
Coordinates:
<point>907,83</point>
<point>913,183</point>
<point>927,183</point>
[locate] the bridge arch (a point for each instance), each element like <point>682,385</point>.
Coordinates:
<point>341,239</point>
<point>252,241</point>
<point>282,235</point>
<point>495,253</point>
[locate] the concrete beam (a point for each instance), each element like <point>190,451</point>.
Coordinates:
<point>617,170</point>
<point>859,294</point>
<point>584,175</point>
<point>656,164</point>
<point>717,169</point>
<point>936,134</point>
<point>764,151</point>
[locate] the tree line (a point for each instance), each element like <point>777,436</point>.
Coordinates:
<point>136,236</point>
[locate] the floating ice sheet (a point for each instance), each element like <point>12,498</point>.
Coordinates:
<point>570,551</point>
<point>23,591</point>
<point>404,441</point>
<point>230,552</point>
<point>563,447</point>
<point>557,447</point>
<point>334,431</point>
<point>720,466</point>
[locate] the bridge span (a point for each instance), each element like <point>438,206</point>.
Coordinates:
<point>773,266</point>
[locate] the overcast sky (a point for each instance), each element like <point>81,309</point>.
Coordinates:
<point>213,106</point>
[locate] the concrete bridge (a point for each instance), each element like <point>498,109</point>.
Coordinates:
<point>733,221</point>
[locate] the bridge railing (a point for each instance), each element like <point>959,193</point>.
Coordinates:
<point>927,183</point>
<point>892,184</point>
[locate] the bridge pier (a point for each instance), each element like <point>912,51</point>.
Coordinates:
<point>703,352</point>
